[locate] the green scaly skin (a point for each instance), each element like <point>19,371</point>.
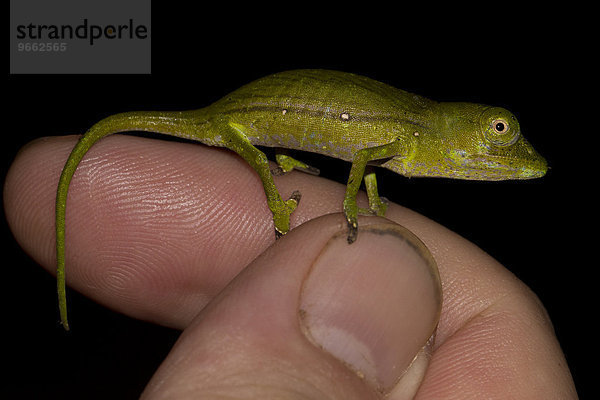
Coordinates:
<point>339,115</point>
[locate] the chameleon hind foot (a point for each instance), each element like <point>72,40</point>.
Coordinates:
<point>286,164</point>
<point>282,212</point>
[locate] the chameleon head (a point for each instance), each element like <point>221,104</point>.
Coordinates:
<point>504,149</point>
<point>485,143</point>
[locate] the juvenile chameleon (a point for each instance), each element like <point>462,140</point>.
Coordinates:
<point>336,114</point>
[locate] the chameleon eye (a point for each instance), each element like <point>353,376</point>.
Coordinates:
<point>500,126</point>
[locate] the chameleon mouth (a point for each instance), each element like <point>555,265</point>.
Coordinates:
<point>491,167</point>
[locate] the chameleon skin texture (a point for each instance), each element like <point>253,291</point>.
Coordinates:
<point>336,114</point>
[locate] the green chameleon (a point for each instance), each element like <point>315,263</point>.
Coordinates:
<point>340,115</point>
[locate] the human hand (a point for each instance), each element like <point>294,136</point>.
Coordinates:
<point>160,231</point>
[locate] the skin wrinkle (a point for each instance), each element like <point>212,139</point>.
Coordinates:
<point>480,361</point>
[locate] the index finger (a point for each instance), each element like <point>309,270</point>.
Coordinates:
<point>154,229</point>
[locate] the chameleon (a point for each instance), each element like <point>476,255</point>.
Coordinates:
<point>336,114</point>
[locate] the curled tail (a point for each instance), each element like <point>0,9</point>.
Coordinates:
<point>182,124</point>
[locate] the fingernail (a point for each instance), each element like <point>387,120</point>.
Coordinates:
<point>373,304</point>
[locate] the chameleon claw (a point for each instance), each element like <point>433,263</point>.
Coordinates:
<point>352,232</point>
<point>278,234</point>
<point>278,171</point>
<point>296,196</point>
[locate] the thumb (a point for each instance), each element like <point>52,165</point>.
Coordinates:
<point>314,317</point>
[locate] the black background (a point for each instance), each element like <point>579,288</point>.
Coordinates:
<point>528,62</point>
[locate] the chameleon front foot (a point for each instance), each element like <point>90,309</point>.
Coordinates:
<point>377,205</point>
<point>351,211</point>
<point>352,231</point>
<point>282,212</point>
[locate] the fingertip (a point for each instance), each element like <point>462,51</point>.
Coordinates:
<point>374,304</point>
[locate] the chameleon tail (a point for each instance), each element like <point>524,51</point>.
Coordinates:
<point>170,123</point>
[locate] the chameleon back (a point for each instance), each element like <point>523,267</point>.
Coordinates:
<point>326,112</point>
